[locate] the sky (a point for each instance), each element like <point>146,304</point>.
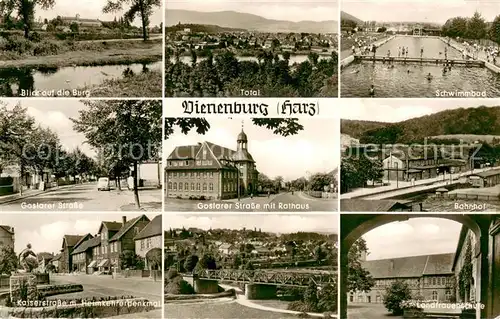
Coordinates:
<point>89,9</point>
<point>419,10</point>
<point>55,114</point>
<point>325,223</point>
<point>45,231</point>
<point>311,150</point>
<point>295,11</point>
<point>396,110</point>
<point>415,237</point>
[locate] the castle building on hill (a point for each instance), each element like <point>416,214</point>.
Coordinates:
<point>210,171</point>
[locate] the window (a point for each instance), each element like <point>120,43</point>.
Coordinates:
<point>180,186</point>
<point>211,186</point>
<point>433,281</point>
<point>169,185</point>
<point>197,174</point>
<point>434,295</point>
<point>351,298</point>
<point>187,163</point>
<point>175,186</point>
<point>211,174</point>
<point>448,295</point>
<point>192,174</point>
<point>192,186</point>
<point>186,186</point>
<point>225,187</point>
<point>142,244</point>
<point>175,174</point>
<point>204,187</point>
<point>198,186</point>
<point>149,242</point>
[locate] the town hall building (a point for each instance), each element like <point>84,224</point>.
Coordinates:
<point>210,171</point>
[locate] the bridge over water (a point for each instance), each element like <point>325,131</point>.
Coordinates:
<point>278,278</point>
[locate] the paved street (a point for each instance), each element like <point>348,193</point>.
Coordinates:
<point>85,197</point>
<point>283,202</point>
<point>106,286</point>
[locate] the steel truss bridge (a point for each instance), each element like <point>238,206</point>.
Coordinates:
<point>278,278</point>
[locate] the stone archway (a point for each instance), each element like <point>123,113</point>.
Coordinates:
<point>353,226</point>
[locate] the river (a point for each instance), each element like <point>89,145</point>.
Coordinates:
<point>411,80</point>
<point>14,80</point>
<point>218,310</point>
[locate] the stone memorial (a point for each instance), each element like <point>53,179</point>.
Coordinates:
<point>23,284</point>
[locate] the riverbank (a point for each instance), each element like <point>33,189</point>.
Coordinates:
<point>148,84</point>
<point>89,54</point>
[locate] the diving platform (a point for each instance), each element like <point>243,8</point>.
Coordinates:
<point>404,60</point>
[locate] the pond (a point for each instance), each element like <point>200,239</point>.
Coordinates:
<point>410,80</point>
<point>16,82</point>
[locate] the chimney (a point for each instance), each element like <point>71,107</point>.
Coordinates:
<point>124,220</point>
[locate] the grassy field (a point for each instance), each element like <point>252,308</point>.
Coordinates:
<point>143,84</point>
<point>23,53</point>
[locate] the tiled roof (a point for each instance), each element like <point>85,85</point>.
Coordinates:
<point>184,152</point>
<point>90,243</point>
<point>129,224</point>
<point>45,255</point>
<point>72,240</point>
<point>7,229</point>
<point>152,229</point>
<point>413,266</point>
<point>113,226</point>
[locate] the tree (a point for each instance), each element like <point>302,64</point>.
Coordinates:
<point>319,254</point>
<point>128,259</point>
<point>190,263</point>
<point>395,294</point>
<point>311,295</point>
<point>355,171</point>
<point>358,278</point>
<point>141,8</point>
<point>207,261</point>
<point>130,129</point>
<point>75,27</point>
<point>25,10</point>
<point>8,260</point>
<point>494,32</point>
<point>476,27</point>
<point>319,181</point>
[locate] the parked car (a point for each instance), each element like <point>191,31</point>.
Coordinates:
<point>103,184</point>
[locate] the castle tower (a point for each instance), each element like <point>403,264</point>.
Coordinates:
<point>246,165</point>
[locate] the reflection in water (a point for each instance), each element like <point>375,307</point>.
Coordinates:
<point>15,81</point>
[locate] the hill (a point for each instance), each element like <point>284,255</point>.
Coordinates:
<point>463,121</point>
<point>347,16</point>
<point>238,20</point>
<point>207,28</point>
<point>355,128</point>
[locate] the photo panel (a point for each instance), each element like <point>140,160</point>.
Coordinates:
<point>420,156</point>
<point>416,266</point>
<point>81,49</point>
<point>418,49</point>
<point>81,265</point>
<point>255,162</point>
<point>234,48</point>
<point>251,266</point>
<point>72,155</point>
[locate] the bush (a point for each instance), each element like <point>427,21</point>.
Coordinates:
<point>46,48</point>
<point>171,274</point>
<point>19,45</point>
<point>398,292</point>
<point>35,37</point>
<point>299,306</point>
<point>179,286</point>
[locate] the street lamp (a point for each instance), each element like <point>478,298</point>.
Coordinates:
<point>397,175</point>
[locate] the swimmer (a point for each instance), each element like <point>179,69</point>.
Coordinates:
<point>355,71</point>
<point>429,76</point>
<point>372,91</point>
<point>408,71</point>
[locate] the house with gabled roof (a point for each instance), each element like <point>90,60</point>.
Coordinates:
<point>148,243</point>
<point>82,256</point>
<point>211,171</point>
<point>123,240</point>
<point>70,242</point>
<point>429,277</point>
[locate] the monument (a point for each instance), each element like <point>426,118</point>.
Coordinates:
<point>23,283</point>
